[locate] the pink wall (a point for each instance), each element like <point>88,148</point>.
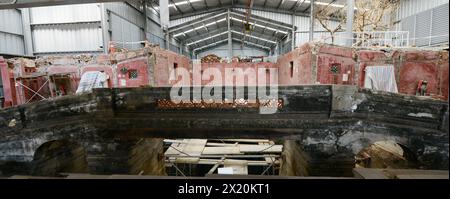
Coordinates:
<point>302,71</point>
<point>72,70</point>
<point>373,58</point>
<point>164,64</point>
<point>5,75</point>
<point>419,65</point>
<point>250,80</point>
<point>340,58</point>
<point>444,73</point>
<point>311,67</point>
<point>312,64</point>
<point>140,66</point>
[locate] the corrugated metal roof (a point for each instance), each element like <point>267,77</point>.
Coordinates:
<point>180,8</point>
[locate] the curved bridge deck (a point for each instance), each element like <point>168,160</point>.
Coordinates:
<point>329,121</point>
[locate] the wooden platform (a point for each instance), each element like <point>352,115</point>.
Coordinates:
<point>363,173</point>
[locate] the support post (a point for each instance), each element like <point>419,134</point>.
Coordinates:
<point>27,31</point>
<point>311,25</point>
<point>350,16</point>
<point>105,28</point>
<point>164,15</point>
<point>230,39</point>
<point>144,6</point>
<point>293,32</point>
<point>181,48</point>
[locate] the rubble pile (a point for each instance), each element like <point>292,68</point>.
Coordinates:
<point>211,59</point>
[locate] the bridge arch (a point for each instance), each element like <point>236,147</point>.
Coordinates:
<point>58,156</point>
<point>146,157</point>
<point>386,154</point>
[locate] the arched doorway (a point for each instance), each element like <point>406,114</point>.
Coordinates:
<point>147,158</point>
<point>386,154</point>
<point>55,157</point>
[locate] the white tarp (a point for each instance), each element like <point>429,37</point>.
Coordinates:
<point>91,80</point>
<point>381,78</point>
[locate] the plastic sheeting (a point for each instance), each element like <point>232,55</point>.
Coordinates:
<point>381,78</point>
<point>91,80</point>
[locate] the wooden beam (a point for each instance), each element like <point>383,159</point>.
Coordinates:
<point>211,171</point>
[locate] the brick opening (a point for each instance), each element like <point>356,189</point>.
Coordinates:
<point>292,68</point>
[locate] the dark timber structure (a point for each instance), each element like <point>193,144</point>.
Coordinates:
<point>330,123</point>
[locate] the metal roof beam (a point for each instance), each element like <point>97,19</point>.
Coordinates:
<point>298,4</point>
<point>13,4</point>
<point>176,7</point>
<point>247,43</point>
<point>275,29</point>
<point>207,38</point>
<point>223,31</point>
<point>190,4</point>
<point>239,39</point>
<point>199,12</point>
<point>255,37</point>
<point>287,27</point>
<point>206,4</point>
<point>281,3</point>
<point>252,44</point>
<point>197,21</point>
<point>210,45</point>
<point>260,8</point>
<point>257,34</point>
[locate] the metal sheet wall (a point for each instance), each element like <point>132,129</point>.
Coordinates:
<point>127,12</point>
<point>155,34</point>
<point>126,32</point>
<point>153,14</point>
<point>222,51</point>
<point>67,29</point>
<point>11,44</point>
<point>412,7</point>
<point>65,14</point>
<point>11,32</point>
<point>11,21</point>
<point>67,38</point>
<point>60,29</point>
<point>440,25</point>
<point>127,25</point>
<point>428,28</point>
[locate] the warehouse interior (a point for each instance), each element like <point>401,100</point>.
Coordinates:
<point>362,88</point>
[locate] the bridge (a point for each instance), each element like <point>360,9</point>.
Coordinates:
<point>331,124</point>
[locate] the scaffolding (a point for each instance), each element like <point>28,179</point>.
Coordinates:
<point>197,157</point>
<point>45,86</point>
